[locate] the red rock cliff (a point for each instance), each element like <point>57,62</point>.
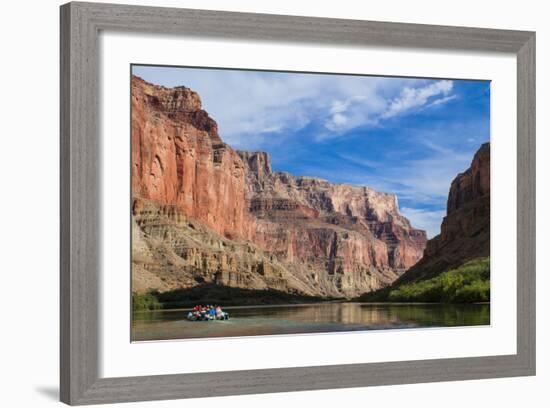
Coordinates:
<point>307,203</point>
<point>179,159</point>
<point>205,213</point>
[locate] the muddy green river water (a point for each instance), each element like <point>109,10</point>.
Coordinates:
<point>311,318</point>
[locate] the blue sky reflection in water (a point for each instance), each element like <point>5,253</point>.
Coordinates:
<point>405,136</point>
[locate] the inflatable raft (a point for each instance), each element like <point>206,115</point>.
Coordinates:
<point>207,314</point>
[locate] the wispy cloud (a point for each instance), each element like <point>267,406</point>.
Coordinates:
<point>411,98</point>
<point>361,161</point>
<point>248,104</point>
<point>355,111</point>
<point>358,111</point>
<point>424,178</point>
<point>442,101</point>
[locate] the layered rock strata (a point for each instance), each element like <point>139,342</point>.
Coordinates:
<point>205,213</point>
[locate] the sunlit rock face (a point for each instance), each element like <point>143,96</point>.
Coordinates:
<point>465,230</point>
<point>203,212</point>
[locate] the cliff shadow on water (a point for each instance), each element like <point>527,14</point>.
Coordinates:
<point>214,294</point>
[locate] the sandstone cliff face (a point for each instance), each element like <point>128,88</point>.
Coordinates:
<point>203,212</point>
<point>376,233</point>
<point>465,230</point>
<point>179,159</point>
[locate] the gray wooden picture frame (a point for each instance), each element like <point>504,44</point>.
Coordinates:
<point>80,237</point>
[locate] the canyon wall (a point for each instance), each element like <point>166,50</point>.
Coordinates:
<point>465,230</point>
<point>179,159</point>
<point>205,213</point>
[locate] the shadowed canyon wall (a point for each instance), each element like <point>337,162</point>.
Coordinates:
<point>465,230</point>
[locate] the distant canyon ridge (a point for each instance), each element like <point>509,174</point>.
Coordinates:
<point>204,213</point>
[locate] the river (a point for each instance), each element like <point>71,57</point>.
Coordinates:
<point>311,318</point>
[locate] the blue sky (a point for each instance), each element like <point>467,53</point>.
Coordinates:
<point>405,136</point>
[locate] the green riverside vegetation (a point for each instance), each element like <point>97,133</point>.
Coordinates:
<point>147,301</point>
<point>468,283</point>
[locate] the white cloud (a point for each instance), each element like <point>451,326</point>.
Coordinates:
<point>411,98</point>
<point>339,106</point>
<point>339,119</point>
<point>249,105</point>
<point>442,101</point>
<point>271,129</point>
<point>361,161</point>
<point>428,220</point>
<point>356,110</point>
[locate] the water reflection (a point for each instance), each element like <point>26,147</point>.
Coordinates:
<point>316,318</point>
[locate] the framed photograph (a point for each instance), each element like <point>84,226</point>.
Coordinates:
<point>261,203</point>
